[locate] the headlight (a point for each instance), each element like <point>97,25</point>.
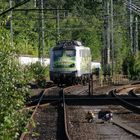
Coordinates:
<point>72,65</point>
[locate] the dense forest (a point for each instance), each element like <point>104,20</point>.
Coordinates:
<point>82,20</point>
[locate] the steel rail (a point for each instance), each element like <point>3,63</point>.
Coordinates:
<point>88,100</point>
<point>132,107</point>
<point>126,128</point>
<point>29,125</point>
<point>65,117</point>
<point>133,93</point>
<point>36,98</point>
<point>125,103</point>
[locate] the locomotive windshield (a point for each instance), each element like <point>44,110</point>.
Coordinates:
<point>64,53</point>
<point>58,53</point>
<point>70,53</point>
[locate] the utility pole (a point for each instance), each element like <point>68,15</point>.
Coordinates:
<point>42,29</point>
<point>57,24</point>
<point>136,36</point>
<point>106,37</point>
<point>112,35</point>
<point>11,26</point>
<point>41,32</point>
<point>103,55</point>
<point>35,3</point>
<point>131,26</point>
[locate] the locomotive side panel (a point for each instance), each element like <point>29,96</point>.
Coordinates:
<point>84,61</point>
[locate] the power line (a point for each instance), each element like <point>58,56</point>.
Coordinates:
<point>11,26</point>
<point>12,8</point>
<point>132,7</point>
<point>38,10</point>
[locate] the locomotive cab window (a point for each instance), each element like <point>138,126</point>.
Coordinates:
<point>58,53</point>
<point>70,53</point>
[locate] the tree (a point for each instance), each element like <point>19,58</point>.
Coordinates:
<point>11,97</point>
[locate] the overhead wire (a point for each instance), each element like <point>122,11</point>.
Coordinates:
<point>12,8</point>
<point>132,7</point>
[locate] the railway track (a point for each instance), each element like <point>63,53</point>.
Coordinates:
<point>129,106</point>
<point>47,114</point>
<point>60,122</point>
<point>64,92</point>
<point>127,90</point>
<point>30,123</point>
<point>119,126</point>
<point>67,136</point>
<point>125,103</point>
<point>133,93</point>
<point>79,128</point>
<point>79,95</point>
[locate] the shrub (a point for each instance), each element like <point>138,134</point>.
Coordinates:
<point>11,97</point>
<point>39,73</point>
<point>131,67</point>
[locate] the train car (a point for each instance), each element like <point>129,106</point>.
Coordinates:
<point>70,63</point>
<point>96,67</point>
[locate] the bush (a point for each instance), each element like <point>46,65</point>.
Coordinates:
<point>131,67</point>
<point>11,97</point>
<point>39,73</point>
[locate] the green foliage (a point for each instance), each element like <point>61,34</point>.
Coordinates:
<point>26,26</point>
<point>137,68</point>
<point>77,28</point>
<point>121,48</point>
<point>39,73</point>
<point>131,67</point>
<point>82,21</point>
<point>128,65</point>
<point>11,97</point>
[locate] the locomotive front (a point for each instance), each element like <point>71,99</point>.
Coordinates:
<point>63,63</point>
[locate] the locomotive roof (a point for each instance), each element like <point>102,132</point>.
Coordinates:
<point>68,45</point>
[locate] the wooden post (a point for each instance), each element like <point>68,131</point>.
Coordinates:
<point>91,85</point>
